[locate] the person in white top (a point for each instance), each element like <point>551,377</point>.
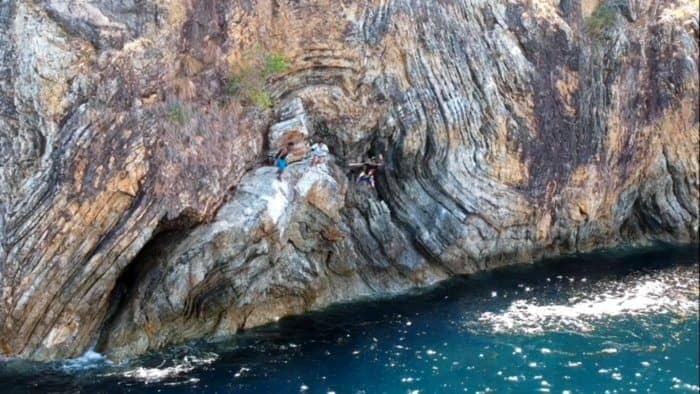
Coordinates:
<point>319,151</point>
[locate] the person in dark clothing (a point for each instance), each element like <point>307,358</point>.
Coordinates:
<point>366,177</point>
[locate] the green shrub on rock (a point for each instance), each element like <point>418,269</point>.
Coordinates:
<point>178,114</point>
<point>261,98</point>
<point>249,76</point>
<point>275,64</point>
<point>600,21</point>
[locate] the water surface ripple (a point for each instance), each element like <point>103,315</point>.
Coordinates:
<point>607,322</point>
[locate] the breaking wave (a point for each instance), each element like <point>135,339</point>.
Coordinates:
<point>90,360</point>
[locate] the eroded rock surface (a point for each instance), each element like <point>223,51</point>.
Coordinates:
<point>138,208</point>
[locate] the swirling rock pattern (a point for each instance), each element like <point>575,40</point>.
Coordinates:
<point>137,209</point>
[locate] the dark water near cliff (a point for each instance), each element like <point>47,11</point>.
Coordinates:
<point>614,322</point>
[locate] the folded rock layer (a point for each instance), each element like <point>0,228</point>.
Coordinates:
<point>138,208</point>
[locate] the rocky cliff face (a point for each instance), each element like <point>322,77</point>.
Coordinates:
<point>137,208</point>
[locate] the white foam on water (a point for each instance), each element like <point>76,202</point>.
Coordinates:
<point>152,375</point>
<point>241,371</point>
<point>89,360</point>
<point>180,367</point>
<point>663,292</point>
<point>205,359</point>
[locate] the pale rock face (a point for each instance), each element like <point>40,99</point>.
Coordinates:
<point>250,267</point>
<point>291,131</point>
<point>138,208</point>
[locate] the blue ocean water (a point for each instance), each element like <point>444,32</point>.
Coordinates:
<point>609,322</point>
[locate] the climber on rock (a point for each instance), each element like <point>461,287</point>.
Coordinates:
<point>366,177</point>
<point>281,161</point>
<point>319,150</point>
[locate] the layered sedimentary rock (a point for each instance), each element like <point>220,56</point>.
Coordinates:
<point>138,208</point>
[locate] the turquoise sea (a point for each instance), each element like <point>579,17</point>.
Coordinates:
<point>613,322</point>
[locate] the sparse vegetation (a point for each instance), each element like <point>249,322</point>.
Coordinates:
<point>250,76</point>
<point>261,98</point>
<point>235,85</point>
<point>178,114</point>
<point>275,64</point>
<point>600,21</point>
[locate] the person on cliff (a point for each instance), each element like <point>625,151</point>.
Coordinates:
<point>281,161</point>
<point>366,177</point>
<point>319,150</point>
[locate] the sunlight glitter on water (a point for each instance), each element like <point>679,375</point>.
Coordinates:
<point>591,323</point>
<point>674,291</point>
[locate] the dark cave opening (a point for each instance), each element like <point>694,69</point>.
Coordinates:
<point>152,256</point>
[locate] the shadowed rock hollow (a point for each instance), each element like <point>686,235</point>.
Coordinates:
<point>137,209</point>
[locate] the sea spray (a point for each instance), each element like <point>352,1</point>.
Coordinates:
<point>89,360</point>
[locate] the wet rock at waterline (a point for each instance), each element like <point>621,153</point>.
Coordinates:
<point>138,208</point>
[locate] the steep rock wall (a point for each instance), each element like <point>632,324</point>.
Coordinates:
<point>136,210</point>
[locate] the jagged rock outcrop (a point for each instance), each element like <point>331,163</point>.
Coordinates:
<point>138,208</point>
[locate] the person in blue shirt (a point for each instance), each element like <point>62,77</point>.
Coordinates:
<point>281,161</point>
